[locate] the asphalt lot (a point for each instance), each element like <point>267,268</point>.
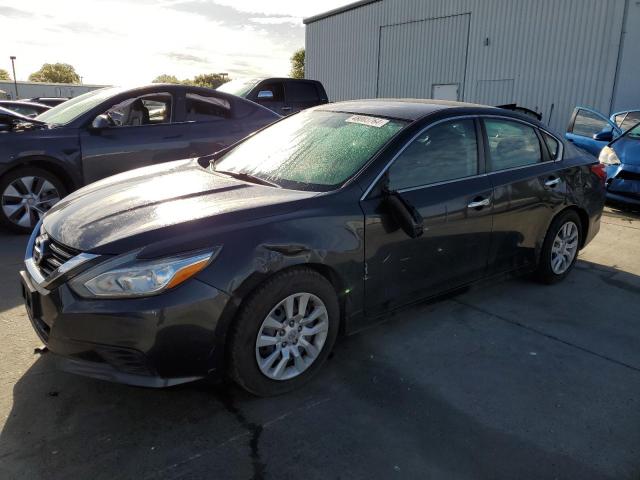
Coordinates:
<point>515,380</point>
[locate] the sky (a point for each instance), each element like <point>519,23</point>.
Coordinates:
<point>117,42</point>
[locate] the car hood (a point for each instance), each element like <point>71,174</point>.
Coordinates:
<point>10,115</point>
<point>628,151</point>
<point>128,211</point>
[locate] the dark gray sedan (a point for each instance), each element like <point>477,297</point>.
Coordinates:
<point>109,131</point>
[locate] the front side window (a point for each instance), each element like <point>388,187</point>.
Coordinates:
<point>312,150</point>
<point>511,145</point>
<point>445,152</point>
<point>149,109</point>
<point>270,92</point>
<point>201,108</point>
<point>587,124</point>
<point>619,118</point>
<point>631,119</point>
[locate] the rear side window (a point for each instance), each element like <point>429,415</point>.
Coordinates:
<point>631,119</point>
<point>448,151</point>
<point>587,124</point>
<point>302,92</point>
<point>201,108</point>
<point>511,145</point>
<point>552,144</point>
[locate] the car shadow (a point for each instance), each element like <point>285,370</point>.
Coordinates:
<point>12,249</point>
<point>623,210</point>
<point>468,387</point>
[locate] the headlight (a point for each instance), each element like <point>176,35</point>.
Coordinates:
<point>608,156</point>
<point>129,277</point>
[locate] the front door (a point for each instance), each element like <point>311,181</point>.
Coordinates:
<point>271,95</point>
<point>529,187</point>
<point>142,134</point>
<point>586,124</point>
<point>438,173</point>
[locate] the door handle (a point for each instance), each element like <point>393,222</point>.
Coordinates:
<point>552,182</point>
<point>172,137</point>
<point>286,109</point>
<point>479,203</point>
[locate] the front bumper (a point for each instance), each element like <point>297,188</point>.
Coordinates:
<point>623,184</point>
<point>152,342</point>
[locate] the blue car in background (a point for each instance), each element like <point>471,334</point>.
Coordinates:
<point>616,142</point>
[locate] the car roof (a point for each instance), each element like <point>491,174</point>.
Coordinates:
<point>407,108</point>
<point>23,102</point>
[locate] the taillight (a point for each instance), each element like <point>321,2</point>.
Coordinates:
<point>599,170</point>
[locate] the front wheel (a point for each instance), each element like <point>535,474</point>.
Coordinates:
<point>284,332</point>
<point>26,194</point>
<point>560,248</point>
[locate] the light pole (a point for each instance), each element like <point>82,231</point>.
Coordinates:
<point>13,67</point>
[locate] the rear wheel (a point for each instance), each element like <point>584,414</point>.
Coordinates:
<point>560,249</point>
<point>26,194</point>
<point>284,332</point>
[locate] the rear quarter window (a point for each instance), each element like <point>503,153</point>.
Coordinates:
<point>552,144</point>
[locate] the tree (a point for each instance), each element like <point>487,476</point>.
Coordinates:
<point>55,72</point>
<point>4,75</point>
<point>164,78</point>
<point>211,80</point>
<point>297,64</point>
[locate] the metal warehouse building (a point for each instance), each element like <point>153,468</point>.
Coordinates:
<point>545,55</point>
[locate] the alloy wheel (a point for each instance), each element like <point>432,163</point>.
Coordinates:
<point>291,337</point>
<point>565,248</point>
<point>26,199</point>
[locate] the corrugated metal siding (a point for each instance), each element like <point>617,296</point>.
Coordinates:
<point>434,51</point>
<point>558,53</point>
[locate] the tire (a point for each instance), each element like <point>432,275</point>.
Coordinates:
<point>551,268</point>
<point>271,300</point>
<point>43,189</point>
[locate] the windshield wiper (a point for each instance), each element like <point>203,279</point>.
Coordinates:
<point>248,178</point>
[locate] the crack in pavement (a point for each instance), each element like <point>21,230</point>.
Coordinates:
<point>253,429</point>
<point>547,335</point>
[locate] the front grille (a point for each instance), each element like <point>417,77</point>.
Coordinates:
<point>626,175</point>
<point>49,254</point>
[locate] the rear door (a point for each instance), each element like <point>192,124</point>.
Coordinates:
<point>145,134</point>
<point>528,189</point>
<point>585,123</point>
<point>440,174</point>
<point>301,94</point>
<point>209,123</point>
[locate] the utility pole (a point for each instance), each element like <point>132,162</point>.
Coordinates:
<point>13,67</point>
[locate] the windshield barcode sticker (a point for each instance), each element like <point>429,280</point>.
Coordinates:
<point>365,120</point>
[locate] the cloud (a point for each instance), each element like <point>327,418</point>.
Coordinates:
<point>276,20</point>
<point>121,42</point>
<point>185,57</point>
<point>11,12</point>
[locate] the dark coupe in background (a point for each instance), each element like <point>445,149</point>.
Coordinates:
<point>109,131</point>
<point>250,262</point>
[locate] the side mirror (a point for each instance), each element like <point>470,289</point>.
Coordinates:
<point>265,95</point>
<point>404,214</point>
<point>604,136</point>
<point>100,122</point>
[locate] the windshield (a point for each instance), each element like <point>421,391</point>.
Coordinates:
<point>314,150</point>
<point>239,88</point>
<point>71,109</point>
